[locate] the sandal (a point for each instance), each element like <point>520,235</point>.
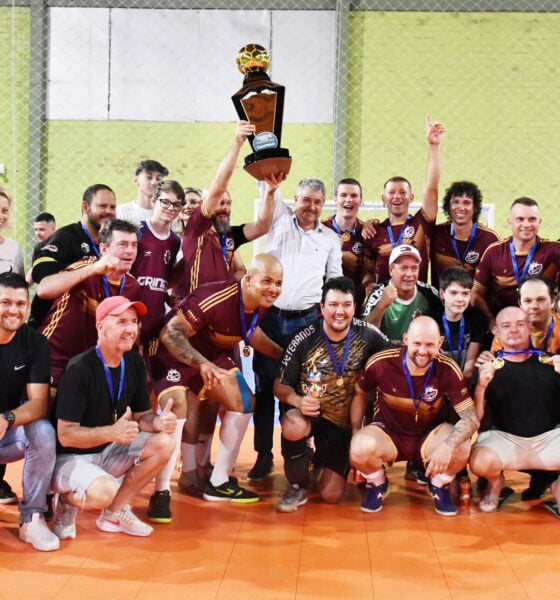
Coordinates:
<point>490,504</point>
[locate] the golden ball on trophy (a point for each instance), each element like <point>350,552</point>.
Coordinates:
<point>253,57</point>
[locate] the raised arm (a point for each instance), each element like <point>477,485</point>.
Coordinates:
<point>223,175</point>
<point>434,135</point>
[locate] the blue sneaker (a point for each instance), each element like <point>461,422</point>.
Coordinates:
<point>373,499</point>
<point>442,500</point>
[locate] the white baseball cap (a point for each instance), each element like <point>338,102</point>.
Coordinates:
<point>404,250</point>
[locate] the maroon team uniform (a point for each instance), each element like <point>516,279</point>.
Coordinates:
<point>409,424</point>
<point>495,276</point>
<point>70,323</point>
<point>443,255</point>
<point>152,269</point>
<point>418,231</point>
<point>352,245</point>
<point>212,310</point>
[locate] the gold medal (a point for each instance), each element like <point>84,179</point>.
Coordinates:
<point>498,363</point>
<point>246,351</point>
<point>544,358</point>
<point>345,237</point>
<point>115,416</point>
<point>340,381</point>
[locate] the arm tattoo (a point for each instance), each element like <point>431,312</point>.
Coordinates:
<point>464,428</point>
<point>175,337</point>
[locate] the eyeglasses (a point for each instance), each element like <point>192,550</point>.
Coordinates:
<point>176,206</point>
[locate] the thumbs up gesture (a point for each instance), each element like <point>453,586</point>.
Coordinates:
<point>125,429</point>
<point>166,421</point>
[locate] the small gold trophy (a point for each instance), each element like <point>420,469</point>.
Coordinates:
<point>261,102</point>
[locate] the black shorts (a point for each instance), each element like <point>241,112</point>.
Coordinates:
<point>332,446</point>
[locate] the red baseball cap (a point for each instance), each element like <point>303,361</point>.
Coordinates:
<point>116,305</point>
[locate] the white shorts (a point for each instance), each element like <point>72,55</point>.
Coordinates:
<point>518,453</point>
<point>76,472</point>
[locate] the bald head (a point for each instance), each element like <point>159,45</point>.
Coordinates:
<point>263,282</point>
<point>263,262</point>
<point>512,327</point>
<point>423,342</point>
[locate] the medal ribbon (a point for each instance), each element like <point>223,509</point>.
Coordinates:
<point>339,368</point>
<point>115,401</point>
<point>93,244</point>
<point>527,261</point>
<point>392,235</point>
<point>469,242</point>
<point>416,401</point>
<point>247,334</point>
<point>106,286</point>
<point>531,350</point>
<point>459,341</point>
<point>338,230</point>
<point>223,239</point>
<point>547,336</point>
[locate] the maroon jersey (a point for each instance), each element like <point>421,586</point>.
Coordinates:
<point>152,269</point>
<point>207,254</point>
<point>70,323</point>
<point>495,276</point>
<point>212,311</point>
<point>417,231</point>
<point>396,410</point>
<point>443,255</point>
<point>352,245</point>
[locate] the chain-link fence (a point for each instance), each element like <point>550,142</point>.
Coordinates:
<point>90,87</point>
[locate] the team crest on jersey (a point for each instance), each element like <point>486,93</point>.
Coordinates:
<point>167,257</point>
<point>409,232</point>
<point>472,257</point>
<point>50,248</point>
<point>229,244</point>
<point>358,248</point>
<point>534,269</point>
<point>147,253</point>
<point>430,394</point>
<point>417,313</point>
<point>173,376</point>
<point>84,247</point>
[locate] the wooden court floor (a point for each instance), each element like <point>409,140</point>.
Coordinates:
<point>226,552</point>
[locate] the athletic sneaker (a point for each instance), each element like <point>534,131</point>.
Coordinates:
<point>293,497</point>
<point>37,533</point>
<point>373,498</point>
<point>262,468</point>
<point>552,506</point>
<point>416,472</point>
<point>64,525</point>
<point>159,510</point>
<point>229,491</point>
<point>123,521</point>
<point>7,495</point>
<point>442,499</point>
<point>191,483</point>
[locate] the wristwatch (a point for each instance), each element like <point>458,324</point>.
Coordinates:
<point>10,417</point>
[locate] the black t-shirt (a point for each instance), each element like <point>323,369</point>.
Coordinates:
<point>25,359</point>
<point>83,393</point>
<point>65,246</point>
<point>524,398</point>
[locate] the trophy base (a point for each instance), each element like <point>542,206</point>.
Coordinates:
<point>263,163</point>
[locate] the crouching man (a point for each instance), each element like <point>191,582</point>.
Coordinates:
<point>106,429</point>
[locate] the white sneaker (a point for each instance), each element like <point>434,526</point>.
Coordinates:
<point>37,533</point>
<point>123,521</point>
<point>65,520</point>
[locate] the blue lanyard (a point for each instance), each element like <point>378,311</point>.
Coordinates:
<point>392,236</point>
<point>548,334</point>
<point>223,239</point>
<point>339,368</point>
<point>114,401</point>
<point>106,286</point>
<point>416,401</point>
<point>348,232</point>
<point>247,335</point>
<point>93,244</point>
<point>469,242</point>
<point>459,341</point>
<point>527,261</point>
<point>531,350</point>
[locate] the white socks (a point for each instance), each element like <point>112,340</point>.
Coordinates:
<point>163,478</point>
<point>233,428</point>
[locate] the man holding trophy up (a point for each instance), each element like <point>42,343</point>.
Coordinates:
<point>316,388</point>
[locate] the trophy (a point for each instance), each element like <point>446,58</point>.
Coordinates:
<point>261,102</point>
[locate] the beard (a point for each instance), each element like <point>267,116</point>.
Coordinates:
<point>222,226</point>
